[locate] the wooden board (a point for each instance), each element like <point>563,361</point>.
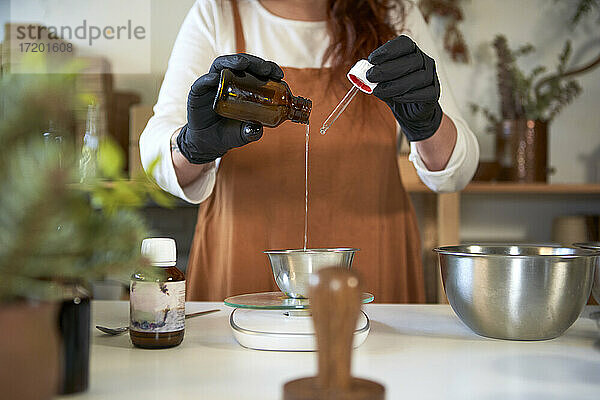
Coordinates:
<point>448,224</point>
<point>138,118</point>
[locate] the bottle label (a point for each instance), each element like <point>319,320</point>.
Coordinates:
<point>157,306</point>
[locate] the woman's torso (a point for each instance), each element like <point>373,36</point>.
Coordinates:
<point>356,199</point>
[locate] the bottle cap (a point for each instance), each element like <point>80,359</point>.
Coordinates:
<point>358,76</point>
<point>161,252</point>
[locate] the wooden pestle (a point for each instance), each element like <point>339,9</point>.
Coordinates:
<point>335,301</point>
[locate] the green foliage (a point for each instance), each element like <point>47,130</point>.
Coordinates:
<point>113,191</point>
<point>55,231</point>
<point>530,95</point>
<point>489,115</point>
<point>110,160</point>
<point>556,92</point>
<point>584,7</point>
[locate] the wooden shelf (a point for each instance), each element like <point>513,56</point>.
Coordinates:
<point>533,188</point>
<point>516,188</point>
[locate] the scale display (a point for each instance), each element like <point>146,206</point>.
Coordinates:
<point>276,301</point>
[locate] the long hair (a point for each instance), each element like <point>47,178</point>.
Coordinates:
<point>357,27</point>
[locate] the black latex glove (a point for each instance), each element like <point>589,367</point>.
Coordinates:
<point>408,84</point>
<point>208,136</point>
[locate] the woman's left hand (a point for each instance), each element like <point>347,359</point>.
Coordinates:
<point>408,84</point>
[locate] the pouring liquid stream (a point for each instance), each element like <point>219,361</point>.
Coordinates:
<point>338,110</point>
<point>306,187</point>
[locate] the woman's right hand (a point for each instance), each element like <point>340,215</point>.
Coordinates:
<point>208,136</point>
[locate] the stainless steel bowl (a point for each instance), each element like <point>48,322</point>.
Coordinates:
<point>293,268</point>
<point>517,292</point>
<point>594,246</point>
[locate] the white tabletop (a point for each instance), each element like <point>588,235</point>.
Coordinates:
<point>415,351</point>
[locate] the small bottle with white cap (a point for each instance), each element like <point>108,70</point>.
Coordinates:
<point>157,298</point>
<point>358,77</point>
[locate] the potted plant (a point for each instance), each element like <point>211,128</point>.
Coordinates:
<point>55,236</point>
<point>528,104</point>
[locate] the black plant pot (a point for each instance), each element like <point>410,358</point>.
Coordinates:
<point>74,322</point>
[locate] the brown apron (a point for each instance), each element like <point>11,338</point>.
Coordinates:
<point>356,199</point>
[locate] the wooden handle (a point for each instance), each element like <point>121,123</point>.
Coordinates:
<point>335,304</point>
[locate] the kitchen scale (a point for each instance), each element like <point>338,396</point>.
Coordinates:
<point>273,321</point>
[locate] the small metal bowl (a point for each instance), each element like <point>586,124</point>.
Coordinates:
<point>594,246</point>
<point>517,292</point>
<point>292,268</point>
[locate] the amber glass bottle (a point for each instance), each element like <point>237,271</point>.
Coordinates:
<point>157,298</point>
<point>245,97</point>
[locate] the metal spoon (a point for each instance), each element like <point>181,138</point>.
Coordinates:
<point>123,329</point>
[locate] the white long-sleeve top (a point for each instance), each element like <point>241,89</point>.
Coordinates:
<point>208,32</point>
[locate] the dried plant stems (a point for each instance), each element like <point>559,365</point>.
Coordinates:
<point>576,71</point>
<point>505,78</point>
<point>450,10</point>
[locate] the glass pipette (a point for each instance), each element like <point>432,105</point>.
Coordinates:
<point>338,110</point>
